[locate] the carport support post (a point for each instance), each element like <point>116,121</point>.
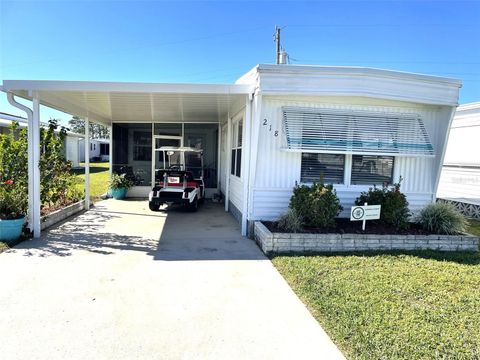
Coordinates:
<point>110,151</point>
<point>246,163</point>
<point>87,163</point>
<point>34,170</point>
<point>229,162</point>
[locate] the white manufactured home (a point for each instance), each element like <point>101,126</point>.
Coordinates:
<point>278,125</point>
<point>99,149</point>
<point>460,180</point>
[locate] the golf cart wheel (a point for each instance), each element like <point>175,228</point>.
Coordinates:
<point>193,206</point>
<point>154,207</point>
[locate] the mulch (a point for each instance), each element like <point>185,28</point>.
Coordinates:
<point>345,226</point>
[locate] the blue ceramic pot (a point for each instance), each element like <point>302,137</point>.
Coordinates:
<point>10,230</point>
<point>119,193</point>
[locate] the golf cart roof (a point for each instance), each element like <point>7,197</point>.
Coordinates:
<point>180,149</point>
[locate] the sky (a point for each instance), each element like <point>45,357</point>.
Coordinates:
<point>218,41</point>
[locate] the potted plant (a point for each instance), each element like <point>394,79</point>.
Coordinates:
<point>13,207</point>
<point>119,184</point>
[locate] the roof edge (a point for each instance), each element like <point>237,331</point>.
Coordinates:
<point>68,85</point>
<point>354,70</point>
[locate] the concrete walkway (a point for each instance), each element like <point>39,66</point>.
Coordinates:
<point>121,282</point>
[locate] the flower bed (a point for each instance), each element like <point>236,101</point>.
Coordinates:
<point>61,214</point>
<point>277,242</point>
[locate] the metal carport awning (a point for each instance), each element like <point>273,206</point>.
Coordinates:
<point>355,132</point>
<point>107,102</point>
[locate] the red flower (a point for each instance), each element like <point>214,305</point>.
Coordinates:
<point>8,182</point>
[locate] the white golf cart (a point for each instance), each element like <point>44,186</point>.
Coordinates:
<point>181,179</point>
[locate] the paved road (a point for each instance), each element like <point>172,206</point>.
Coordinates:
<point>121,282</point>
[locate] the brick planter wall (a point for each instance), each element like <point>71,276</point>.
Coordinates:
<point>300,243</point>
<point>61,214</point>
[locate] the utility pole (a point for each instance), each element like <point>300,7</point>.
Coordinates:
<point>277,40</point>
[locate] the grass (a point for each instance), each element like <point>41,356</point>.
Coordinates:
<point>99,175</point>
<point>473,227</point>
<point>3,246</point>
<point>423,305</point>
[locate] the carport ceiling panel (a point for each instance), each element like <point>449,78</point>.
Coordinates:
<point>94,105</point>
<point>189,107</point>
<point>130,106</point>
<point>99,103</point>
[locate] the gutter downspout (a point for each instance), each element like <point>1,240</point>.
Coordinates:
<point>29,112</point>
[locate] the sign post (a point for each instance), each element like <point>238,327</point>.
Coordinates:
<point>364,213</point>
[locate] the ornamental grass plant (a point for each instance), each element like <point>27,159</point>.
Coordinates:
<point>442,218</point>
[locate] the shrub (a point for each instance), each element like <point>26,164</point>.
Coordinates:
<point>13,200</point>
<point>291,221</point>
<point>318,205</point>
<point>394,211</point>
<point>442,218</point>
<point>57,183</point>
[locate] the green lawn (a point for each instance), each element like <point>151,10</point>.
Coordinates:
<point>98,178</point>
<point>423,305</point>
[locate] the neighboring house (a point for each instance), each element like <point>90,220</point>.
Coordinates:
<point>71,142</point>
<point>460,180</point>
<point>277,126</point>
<point>99,149</point>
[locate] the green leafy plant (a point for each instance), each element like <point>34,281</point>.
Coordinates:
<point>291,221</point>
<point>120,181</point>
<point>442,218</point>
<point>394,211</point>
<point>13,200</point>
<point>57,183</point>
<point>318,204</point>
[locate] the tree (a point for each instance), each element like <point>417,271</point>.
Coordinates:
<point>97,131</point>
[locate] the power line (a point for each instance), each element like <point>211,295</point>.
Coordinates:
<point>150,45</point>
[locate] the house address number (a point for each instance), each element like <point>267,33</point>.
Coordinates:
<point>265,123</point>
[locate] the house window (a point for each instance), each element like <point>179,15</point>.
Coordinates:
<point>328,167</point>
<point>104,149</point>
<point>372,169</point>
<point>142,146</point>
<point>237,134</point>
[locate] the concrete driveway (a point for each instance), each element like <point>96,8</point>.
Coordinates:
<point>121,282</point>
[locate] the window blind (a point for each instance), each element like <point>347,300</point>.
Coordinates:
<point>329,167</point>
<point>372,170</point>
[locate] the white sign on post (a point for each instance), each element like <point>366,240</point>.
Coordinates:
<point>364,213</point>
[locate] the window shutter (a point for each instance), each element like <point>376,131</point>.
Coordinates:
<point>355,132</point>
